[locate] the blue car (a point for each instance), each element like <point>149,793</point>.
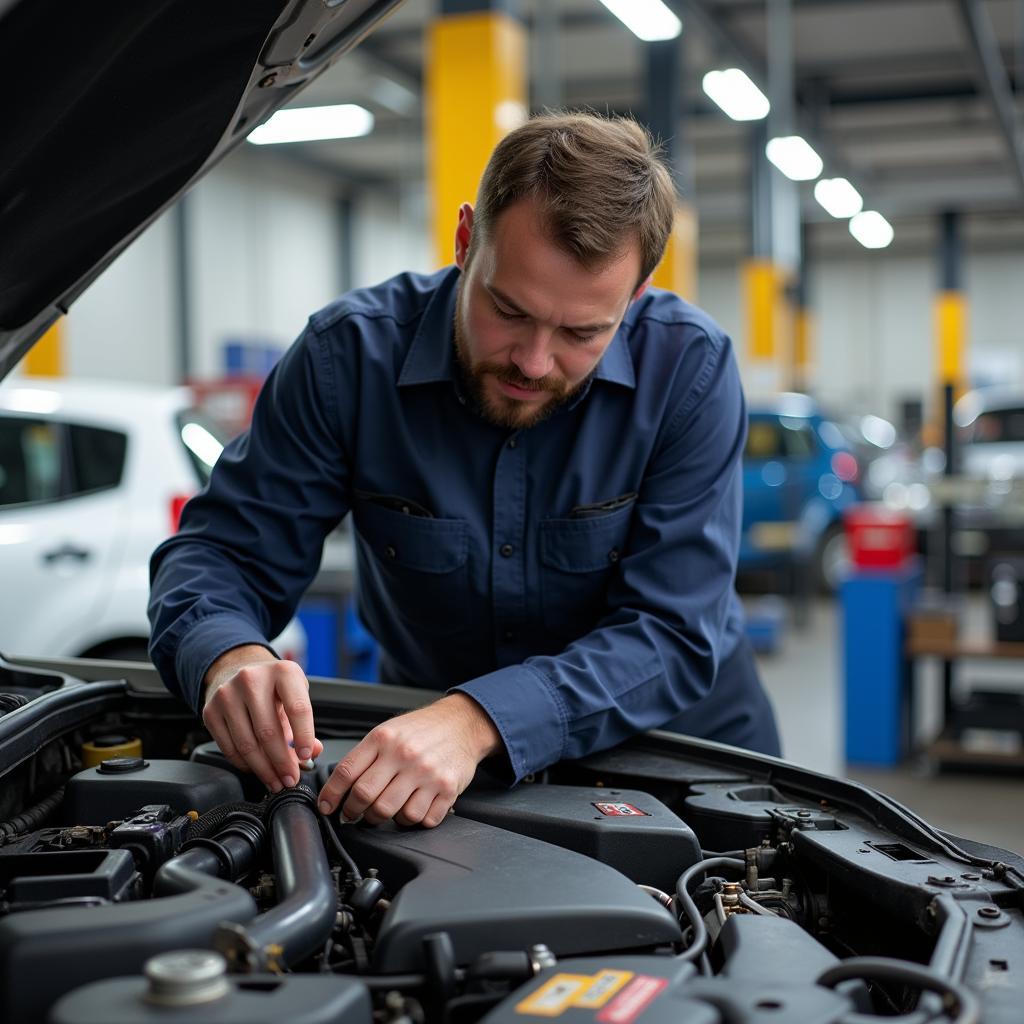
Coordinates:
<point>799,475</point>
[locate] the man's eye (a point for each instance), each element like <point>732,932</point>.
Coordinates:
<point>504,314</point>
<point>581,339</point>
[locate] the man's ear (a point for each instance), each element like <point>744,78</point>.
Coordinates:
<point>463,233</point>
<point>641,288</point>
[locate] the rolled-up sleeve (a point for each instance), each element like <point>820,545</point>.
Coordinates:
<point>251,541</point>
<point>656,649</point>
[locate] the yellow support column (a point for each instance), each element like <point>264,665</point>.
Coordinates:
<point>769,323</point>
<point>476,93</point>
<point>803,348</point>
<point>951,339</point>
<point>46,357</point>
<point>677,270</point>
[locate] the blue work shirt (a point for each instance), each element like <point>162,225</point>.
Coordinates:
<point>575,578</point>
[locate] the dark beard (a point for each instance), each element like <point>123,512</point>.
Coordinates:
<point>507,413</point>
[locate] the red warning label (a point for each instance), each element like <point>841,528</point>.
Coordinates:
<point>619,810</point>
<point>632,1000</point>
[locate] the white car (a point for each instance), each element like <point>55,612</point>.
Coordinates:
<point>93,475</point>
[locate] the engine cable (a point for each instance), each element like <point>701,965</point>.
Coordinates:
<point>965,1004</point>
<point>685,903</point>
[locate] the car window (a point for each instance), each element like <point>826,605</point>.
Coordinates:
<point>97,458</point>
<point>797,439</point>
<point>30,461</point>
<point>998,426</point>
<point>203,439</point>
<point>764,440</point>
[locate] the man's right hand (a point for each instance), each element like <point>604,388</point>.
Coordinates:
<point>257,709</point>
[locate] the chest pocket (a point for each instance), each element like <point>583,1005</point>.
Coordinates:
<point>578,558</point>
<point>418,564</point>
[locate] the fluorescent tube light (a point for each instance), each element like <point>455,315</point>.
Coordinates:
<point>736,94</point>
<point>310,124</point>
<point>872,230</point>
<point>794,157</point>
<point>651,20</point>
<point>838,197</point>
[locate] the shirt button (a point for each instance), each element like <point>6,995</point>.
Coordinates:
<point>506,550</point>
<point>512,443</point>
<point>509,635</point>
<point>613,555</point>
<point>390,552</point>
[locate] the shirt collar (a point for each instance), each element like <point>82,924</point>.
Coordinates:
<point>430,359</point>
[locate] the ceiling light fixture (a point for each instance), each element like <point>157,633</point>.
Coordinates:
<point>838,197</point>
<point>311,124</point>
<point>650,20</point>
<point>736,94</point>
<point>794,157</point>
<point>872,230</point>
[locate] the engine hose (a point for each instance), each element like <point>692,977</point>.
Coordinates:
<point>232,853</point>
<point>684,902</point>
<point>11,702</point>
<point>211,821</point>
<point>304,917</point>
<point>32,818</point>
<point>877,968</point>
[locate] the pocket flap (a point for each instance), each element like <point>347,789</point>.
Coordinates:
<point>585,545</point>
<point>415,542</point>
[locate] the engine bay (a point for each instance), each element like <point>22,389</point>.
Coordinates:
<point>143,878</point>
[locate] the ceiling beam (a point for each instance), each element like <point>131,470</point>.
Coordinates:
<point>993,80</point>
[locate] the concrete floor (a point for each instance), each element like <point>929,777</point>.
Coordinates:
<point>804,680</point>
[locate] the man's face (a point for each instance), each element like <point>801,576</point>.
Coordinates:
<point>531,323</point>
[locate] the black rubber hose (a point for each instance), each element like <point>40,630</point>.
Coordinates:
<point>685,904</point>
<point>212,820</point>
<point>966,1008</point>
<point>31,819</point>
<point>233,853</point>
<point>304,917</point>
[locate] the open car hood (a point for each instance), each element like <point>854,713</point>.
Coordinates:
<point>118,108</point>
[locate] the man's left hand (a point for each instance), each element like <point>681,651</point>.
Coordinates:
<point>413,767</point>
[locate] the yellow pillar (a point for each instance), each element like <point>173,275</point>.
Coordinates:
<point>677,270</point>
<point>803,348</point>
<point>476,94</point>
<point>951,339</point>
<point>46,357</point>
<point>770,325</point>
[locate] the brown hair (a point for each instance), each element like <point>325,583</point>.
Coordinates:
<point>599,180</point>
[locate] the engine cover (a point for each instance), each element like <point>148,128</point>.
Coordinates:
<point>533,892</point>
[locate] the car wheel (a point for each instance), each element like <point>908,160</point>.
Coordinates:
<point>832,560</point>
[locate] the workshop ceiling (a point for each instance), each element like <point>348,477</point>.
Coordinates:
<point>890,91</point>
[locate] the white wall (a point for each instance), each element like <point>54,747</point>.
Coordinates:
<point>391,233</point>
<point>124,326</point>
<point>264,253</point>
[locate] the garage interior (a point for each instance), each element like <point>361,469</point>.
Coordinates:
<point>907,341</point>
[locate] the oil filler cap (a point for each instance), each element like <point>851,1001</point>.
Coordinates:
<point>186,977</point>
<point>122,765</point>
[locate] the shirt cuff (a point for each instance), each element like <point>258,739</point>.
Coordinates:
<point>204,643</point>
<point>527,713</point>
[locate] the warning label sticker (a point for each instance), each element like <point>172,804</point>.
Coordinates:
<point>555,995</point>
<point>620,810</point>
<point>582,991</point>
<point>632,1000</point>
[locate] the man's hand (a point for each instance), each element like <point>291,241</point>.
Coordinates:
<point>413,767</point>
<point>256,707</point>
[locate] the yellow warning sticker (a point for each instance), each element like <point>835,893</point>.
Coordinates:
<point>555,995</point>
<point>603,986</point>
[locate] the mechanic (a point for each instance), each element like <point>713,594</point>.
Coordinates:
<point>541,454</point>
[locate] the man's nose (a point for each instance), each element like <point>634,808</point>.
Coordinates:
<point>533,358</point>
